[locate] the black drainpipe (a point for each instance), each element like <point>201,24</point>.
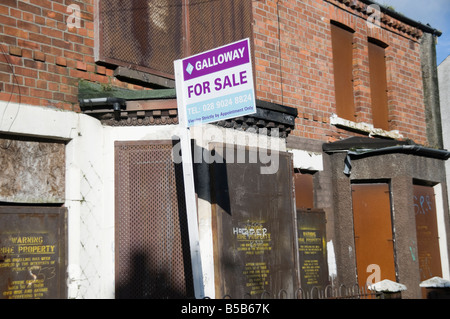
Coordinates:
<point>117,104</point>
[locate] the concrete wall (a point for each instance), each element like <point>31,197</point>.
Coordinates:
<point>444,96</point>
<point>400,171</point>
<point>431,90</point>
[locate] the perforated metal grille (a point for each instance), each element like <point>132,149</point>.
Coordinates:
<point>151,34</point>
<point>152,250</point>
<point>215,23</point>
<point>146,33</point>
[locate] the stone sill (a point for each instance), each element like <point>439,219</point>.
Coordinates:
<point>364,128</point>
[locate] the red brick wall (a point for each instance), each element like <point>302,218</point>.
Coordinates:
<point>294,66</point>
<point>41,59</point>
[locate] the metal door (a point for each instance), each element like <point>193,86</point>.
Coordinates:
<point>254,229</point>
<point>373,233</point>
<point>152,245</point>
<point>427,232</point>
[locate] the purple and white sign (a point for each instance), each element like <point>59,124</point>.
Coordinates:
<point>217,84</point>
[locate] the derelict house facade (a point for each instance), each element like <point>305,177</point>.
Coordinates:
<point>337,179</point>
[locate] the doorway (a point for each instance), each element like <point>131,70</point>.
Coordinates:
<point>152,244</point>
<point>374,242</point>
<point>427,232</point>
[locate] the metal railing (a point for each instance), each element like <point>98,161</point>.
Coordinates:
<point>328,292</point>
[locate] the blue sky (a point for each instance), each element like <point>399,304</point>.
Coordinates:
<point>434,12</point>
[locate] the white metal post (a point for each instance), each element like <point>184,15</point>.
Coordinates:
<point>189,187</point>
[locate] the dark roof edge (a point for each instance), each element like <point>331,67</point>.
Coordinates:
<point>89,91</point>
<point>276,107</point>
<point>407,149</point>
<point>363,147</point>
<point>367,143</point>
<point>400,17</point>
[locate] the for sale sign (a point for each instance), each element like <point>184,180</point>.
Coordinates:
<point>216,85</point>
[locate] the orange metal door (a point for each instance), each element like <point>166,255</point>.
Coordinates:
<point>373,233</point>
<point>427,233</point>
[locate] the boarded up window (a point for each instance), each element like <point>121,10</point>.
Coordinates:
<point>254,230</point>
<point>378,85</point>
<point>31,171</point>
<point>150,34</point>
<point>374,243</point>
<point>304,190</point>
<point>342,43</point>
<point>152,243</point>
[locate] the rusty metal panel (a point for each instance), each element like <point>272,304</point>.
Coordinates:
<point>147,34</point>
<point>33,252</point>
<point>342,45</point>
<point>374,243</point>
<point>427,232</point>
<point>254,228</point>
<point>304,190</point>
<point>152,246</point>
<point>32,171</point>
<point>230,23</point>
<point>378,86</point>
<point>312,248</point>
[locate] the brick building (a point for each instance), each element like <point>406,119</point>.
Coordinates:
<point>87,98</point>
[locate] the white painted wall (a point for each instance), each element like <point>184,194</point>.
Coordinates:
<point>90,186</point>
<point>444,97</point>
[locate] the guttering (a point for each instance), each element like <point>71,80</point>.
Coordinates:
<point>400,17</point>
<point>406,149</point>
<point>117,104</point>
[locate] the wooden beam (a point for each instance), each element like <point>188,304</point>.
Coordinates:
<point>140,77</point>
